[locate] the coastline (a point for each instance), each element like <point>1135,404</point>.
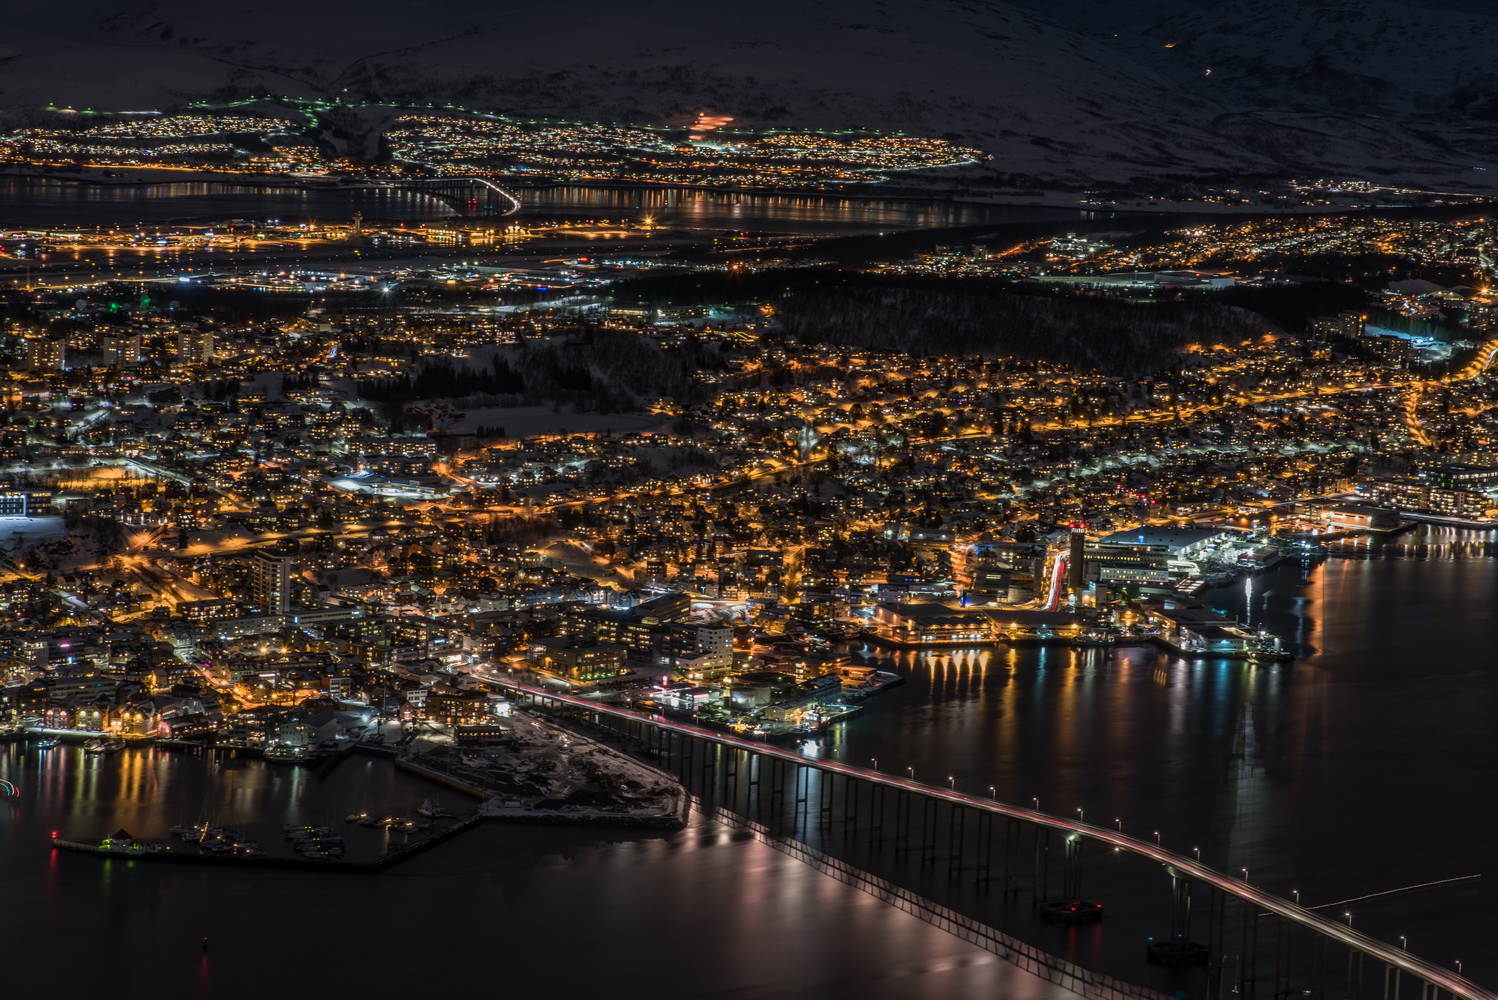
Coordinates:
<point>1055,201</point>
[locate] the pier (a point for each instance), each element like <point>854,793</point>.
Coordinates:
<point>168,854</point>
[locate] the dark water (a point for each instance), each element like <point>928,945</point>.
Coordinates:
<point>29,202</point>
<point>1367,765</point>
<point>794,213</point>
<point>525,911</point>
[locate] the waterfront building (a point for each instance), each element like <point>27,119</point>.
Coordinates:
<point>1153,554</point>
<point>1359,517</point>
<point>1472,478</point>
<point>1421,497</point>
<point>940,625</point>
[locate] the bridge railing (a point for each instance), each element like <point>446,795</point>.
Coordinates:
<point>1393,957</point>
<point>427,184</point>
<point>1052,968</point>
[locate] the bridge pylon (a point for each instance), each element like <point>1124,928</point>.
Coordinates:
<point>1071,908</point>
<point>1179,948</point>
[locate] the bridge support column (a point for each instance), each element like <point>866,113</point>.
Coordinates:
<point>1249,977</point>
<point>1012,831</point>
<point>1071,878</point>
<point>1179,948</point>
<point>928,829</point>
<point>956,833</point>
<point>1040,884</point>
<point>777,786</point>
<point>983,848</point>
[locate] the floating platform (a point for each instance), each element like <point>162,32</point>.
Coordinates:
<point>1071,911</point>
<point>1177,952</point>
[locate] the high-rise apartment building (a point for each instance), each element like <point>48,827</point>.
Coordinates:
<point>195,346</point>
<point>271,580</point>
<point>45,353</point>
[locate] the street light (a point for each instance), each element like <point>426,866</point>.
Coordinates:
<point>1458,967</point>
<point>1037,803</point>
<point>951,782</point>
<point>912,773</point>
<point>1348,915</point>
<point>1080,817</point>
<point>875,762</point>
<point>1198,851</point>
<point>1404,942</point>
<point>1119,824</point>
<point>1157,838</point>
<point>993,794</point>
<point>1245,875</point>
<point>1296,894</point>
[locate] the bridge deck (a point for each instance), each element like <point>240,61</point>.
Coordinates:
<point>1389,954</point>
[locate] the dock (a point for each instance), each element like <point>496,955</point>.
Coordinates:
<point>170,855</point>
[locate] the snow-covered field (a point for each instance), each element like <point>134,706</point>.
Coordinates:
<point>15,530</point>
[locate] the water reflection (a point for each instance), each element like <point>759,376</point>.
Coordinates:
<point>49,202</point>
<point>690,208</point>
<point>706,912</point>
<point>27,201</point>
<point>1339,774</point>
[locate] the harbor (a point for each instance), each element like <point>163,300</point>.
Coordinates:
<point>532,772</point>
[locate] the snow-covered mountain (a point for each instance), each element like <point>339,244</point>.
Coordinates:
<point>1359,57</point>
<point>1070,91</point>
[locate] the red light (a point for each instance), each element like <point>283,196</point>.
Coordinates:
<point>54,834</point>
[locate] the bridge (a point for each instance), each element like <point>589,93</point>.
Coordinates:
<point>687,743</point>
<point>469,193</point>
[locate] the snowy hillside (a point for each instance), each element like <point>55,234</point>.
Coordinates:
<point>1050,95</point>
<point>1361,57</point>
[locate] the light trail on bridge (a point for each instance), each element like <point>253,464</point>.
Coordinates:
<point>420,183</point>
<point>1391,955</point>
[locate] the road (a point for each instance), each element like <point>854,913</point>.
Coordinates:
<point>1389,954</point>
<point>1410,403</point>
